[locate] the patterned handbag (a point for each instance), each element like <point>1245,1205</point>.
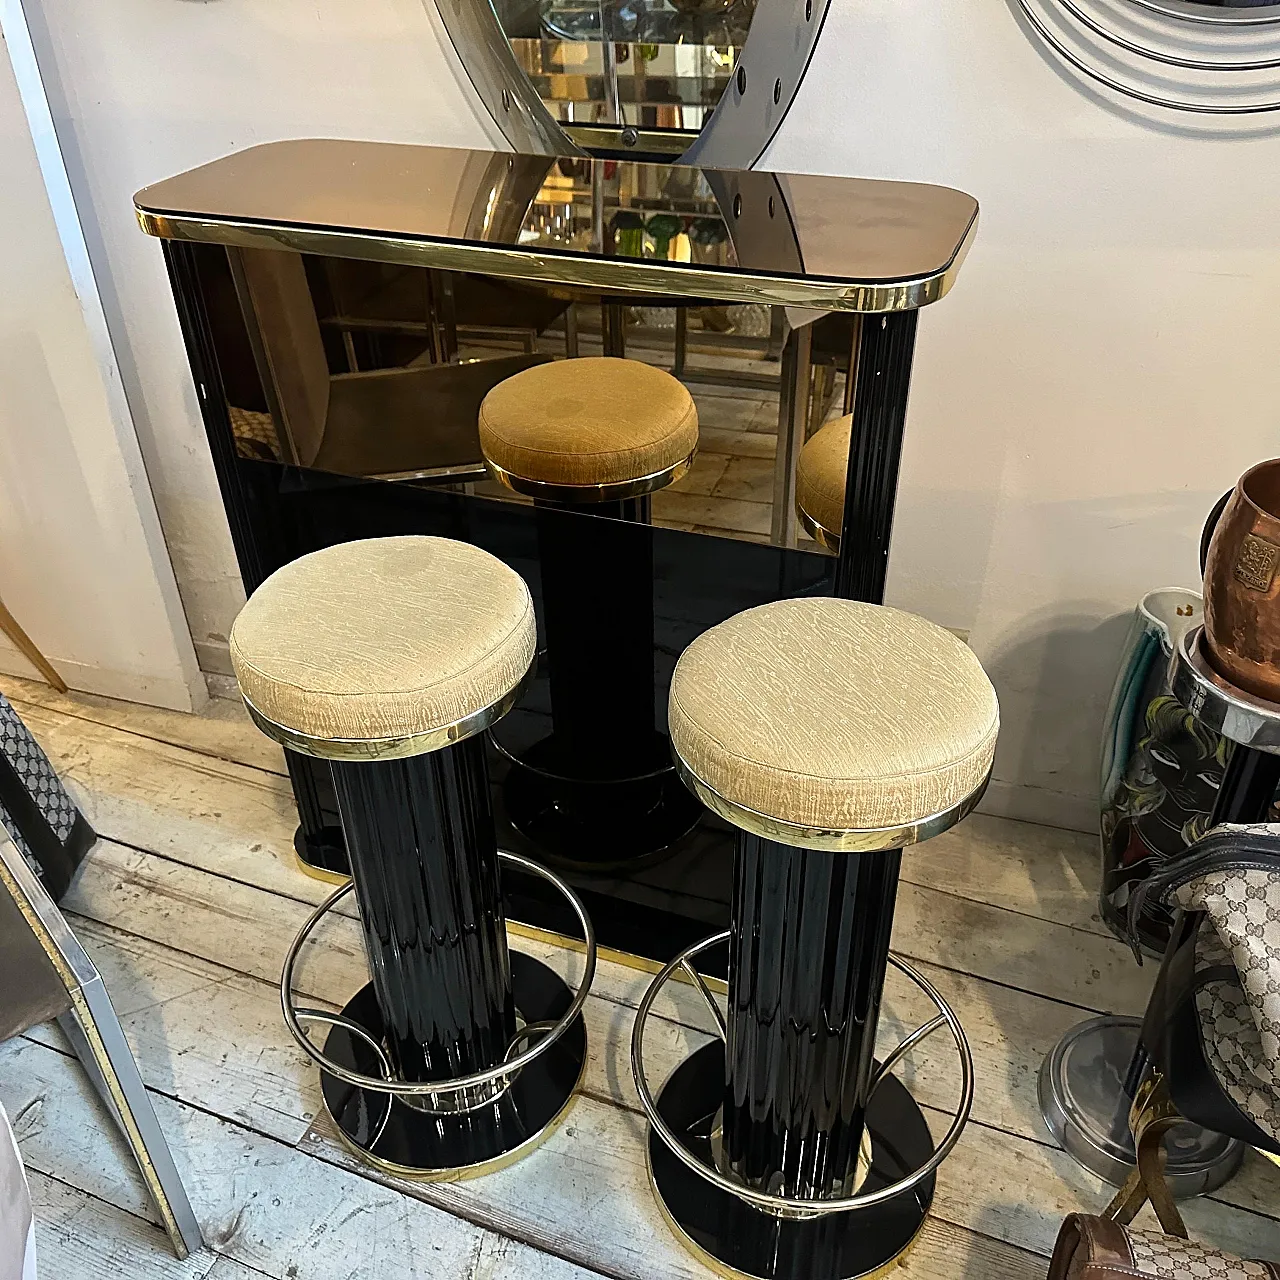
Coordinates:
<point>35,809</point>
<point>1091,1248</point>
<point>1213,1025</point>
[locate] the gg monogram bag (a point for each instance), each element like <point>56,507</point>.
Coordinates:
<point>1091,1248</point>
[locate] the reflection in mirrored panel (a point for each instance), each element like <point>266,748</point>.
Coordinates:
<point>375,370</point>
<point>669,77</point>
<point>651,86</point>
<point>651,64</point>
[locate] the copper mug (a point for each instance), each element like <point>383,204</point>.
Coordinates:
<point>1242,585</point>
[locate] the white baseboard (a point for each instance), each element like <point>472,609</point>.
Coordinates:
<point>127,685</point>
<point>1040,805</point>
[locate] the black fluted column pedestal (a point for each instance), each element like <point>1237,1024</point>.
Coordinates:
<point>447,998</point>
<point>809,945</point>
<point>604,756</point>
<point>786,1104</point>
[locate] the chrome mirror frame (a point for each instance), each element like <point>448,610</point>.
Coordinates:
<point>765,80</point>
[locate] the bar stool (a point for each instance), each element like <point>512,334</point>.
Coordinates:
<point>387,658</point>
<point>831,734</point>
<point>594,436</point>
<point>821,473</point>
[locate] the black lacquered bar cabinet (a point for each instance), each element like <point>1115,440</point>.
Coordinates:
<point>346,306</point>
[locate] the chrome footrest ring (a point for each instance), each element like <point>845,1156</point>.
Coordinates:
<point>783,1205</point>
<point>504,1072</point>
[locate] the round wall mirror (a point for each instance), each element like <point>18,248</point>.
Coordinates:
<point>704,81</point>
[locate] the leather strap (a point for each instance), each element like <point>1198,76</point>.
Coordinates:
<point>1103,1245</point>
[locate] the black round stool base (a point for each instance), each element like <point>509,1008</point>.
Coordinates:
<point>574,821</point>
<point>398,1137</point>
<point>736,1239</point>
<point>323,854</point>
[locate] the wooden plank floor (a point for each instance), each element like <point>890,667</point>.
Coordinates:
<point>190,899</point>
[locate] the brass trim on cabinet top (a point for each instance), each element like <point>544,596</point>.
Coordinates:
<point>837,244</point>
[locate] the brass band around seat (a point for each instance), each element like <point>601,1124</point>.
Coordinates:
<point>863,840</point>
<point>790,1206</point>
<point>503,1071</point>
<point>822,536</point>
<point>585,494</point>
<point>393,748</point>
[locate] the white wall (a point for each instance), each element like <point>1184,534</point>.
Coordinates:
<point>143,89</point>
<point>82,561</point>
<point>1104,369</point>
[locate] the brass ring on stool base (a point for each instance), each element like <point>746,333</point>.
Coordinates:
<point>738,1230</point>
<point>416,1129</point>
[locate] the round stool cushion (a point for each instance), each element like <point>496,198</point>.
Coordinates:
<point>383,638</point>
<point>834,714</point>
<point>821,471</point>
<point>591,421</point>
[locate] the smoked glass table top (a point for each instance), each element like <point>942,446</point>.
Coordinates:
<point>612,226</point>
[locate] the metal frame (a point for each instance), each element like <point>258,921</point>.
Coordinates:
<point>871,840</point>
<point>823,537</point>
<point>411,744</point>
<point>94,1030</point>
<point>1262,16</point>
<point>787,1206</point>
<point>486,57</point>
<point>586,494</point>
<point>1268,17</point>
<point>625,276</point>
<point>766,79</point>
<point>500,1074</point>
<point>1219,705</point>
<point>794,397</point>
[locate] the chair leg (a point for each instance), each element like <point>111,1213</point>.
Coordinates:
<point>98,1039</point>
<point>9,625</point>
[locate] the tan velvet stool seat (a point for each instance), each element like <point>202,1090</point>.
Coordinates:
<point>821,473</point>
<point>594,429</point>
<point>832,716</point>
<point>366,645</point>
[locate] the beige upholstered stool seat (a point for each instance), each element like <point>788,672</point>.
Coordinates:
<point>589,429</point>
<point>833,716</point>
<point>821,471</point>
<point>398,645</point>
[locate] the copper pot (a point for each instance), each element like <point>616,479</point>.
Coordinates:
<point>1242,585</point>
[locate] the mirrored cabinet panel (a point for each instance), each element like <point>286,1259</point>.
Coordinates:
<point>375,370</point>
